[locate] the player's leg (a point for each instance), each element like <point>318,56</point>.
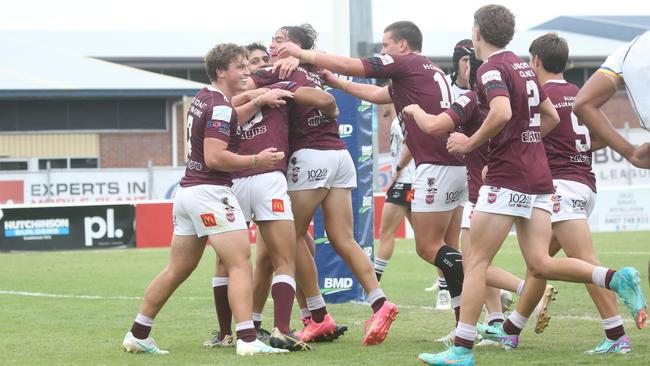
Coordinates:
<point>392,216</point>
<point>575,238</point>
<point>262,277</point>
<point>222,337</point>
<point>304,204</point>
<point>490,230</point>
<point>185,253</point>
<point>338,219</point>
<point>234,250</point>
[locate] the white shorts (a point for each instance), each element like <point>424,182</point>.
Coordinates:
<point>263,197</point>
<point>467,215</point>
<point>206,209</point>
<point>573,201</point>
<point>439,188</point>
<point>506,201</point>
<point>311,169</point>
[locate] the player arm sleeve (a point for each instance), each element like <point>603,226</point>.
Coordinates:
<point>383,66</point>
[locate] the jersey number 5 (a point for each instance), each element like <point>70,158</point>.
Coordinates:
<point>580,129</point>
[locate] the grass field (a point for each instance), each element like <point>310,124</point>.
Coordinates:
<point>75,330</point>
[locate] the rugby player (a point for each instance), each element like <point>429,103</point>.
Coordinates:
<point>262,193</point>
<point>321,172</point>
<point>518,186</point>
<point>568,148</point>
<point>440,183</point>
<point>205,208</point>
<point>397,205</point>
<point>630,66</point>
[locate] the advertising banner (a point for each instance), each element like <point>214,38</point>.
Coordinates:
<point>67,227</point>
<point>336,280</point>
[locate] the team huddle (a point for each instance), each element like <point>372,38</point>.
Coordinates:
<point>496,145</point>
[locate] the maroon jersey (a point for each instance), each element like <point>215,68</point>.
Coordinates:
<point>269,127</point>
<point>309,128</point>
<point>568,146</point>
<point>416,80</point>
<point>517,159</point>
<point>210,116</point>
<point>466,115</point>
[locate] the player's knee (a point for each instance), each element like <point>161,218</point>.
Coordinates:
<point>426,252</point>
<point>538,270</point>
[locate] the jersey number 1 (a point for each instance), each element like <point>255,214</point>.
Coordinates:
<point>444,90</point>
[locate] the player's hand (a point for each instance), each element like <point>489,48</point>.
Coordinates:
<point>274,98</point>
<point>269,157</point>
<point>329,78</point>
<point>641,156</point>
<point>409,110</point>
<point>286,66</point>
<point>458,143</point>
<point>287,49</point>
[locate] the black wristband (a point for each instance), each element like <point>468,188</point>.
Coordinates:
<point>398,168</point>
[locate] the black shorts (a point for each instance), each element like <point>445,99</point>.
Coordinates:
<point>400,194</point>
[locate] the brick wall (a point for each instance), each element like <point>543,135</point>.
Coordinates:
<point>619,110</point>
<point>133,150</point>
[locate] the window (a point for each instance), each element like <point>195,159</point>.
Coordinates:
<point>9,165</point>
<point>83,114</point>
<point>69,163</point>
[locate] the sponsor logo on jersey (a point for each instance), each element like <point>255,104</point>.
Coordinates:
<point>580,158</point>
<point>490,76</point>
<point>386,59</point>
<point>579,206</point>
<point>531,137</point>
<point>454,196</point>
<point>431,181</point>
<point>316,175</point>
<point>463,100</point>
<point>222,127</point>
<point>277,205</point>
<point>208,220</point>
<point>221,112</point>
<point>409,195</point>
<point>520,200</point>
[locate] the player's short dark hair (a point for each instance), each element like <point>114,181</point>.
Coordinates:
<point>552,50</point>
<point>305,35</point>
<point>496,24</point>
<point>408,31</point>
<point>220,57</point>
<point>257,46</point>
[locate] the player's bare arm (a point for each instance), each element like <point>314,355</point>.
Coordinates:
<point>339,64</point>
<point>429,123</point>
<point>272,98</point>
<point>318,98</point>
<point>549,117</point>
<point>218,157</point>
<point>593,95</point>
<point>499,115</point>
<point>368,92</point>
<point>247,96</point>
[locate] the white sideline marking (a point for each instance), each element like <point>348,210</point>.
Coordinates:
<point>84,297</point>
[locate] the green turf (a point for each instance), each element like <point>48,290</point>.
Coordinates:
<point>72,331</point>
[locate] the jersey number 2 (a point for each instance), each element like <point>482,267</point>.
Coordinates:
<point>533,101</point>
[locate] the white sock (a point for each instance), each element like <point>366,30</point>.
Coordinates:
<point>518,320</point>
<point>613,322</point>
<point>466,331</point>
<point>248,324</point>
<point>380,265</point>
<point>286,279</point>
<point>220,281</point>
<point>315,302</point>
<point>305,313</point>
<point>520,288</point>
<point>599,276</point>
<point>257,317</point>
<point>455,302</point>
<point>144,320</point>
<point>494,316</point>
<point>375,295</point>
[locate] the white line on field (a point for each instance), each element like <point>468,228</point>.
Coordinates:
<point>85,297</point>
<point>98,297</point>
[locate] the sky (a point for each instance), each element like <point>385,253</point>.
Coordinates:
<point>219,15</point>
